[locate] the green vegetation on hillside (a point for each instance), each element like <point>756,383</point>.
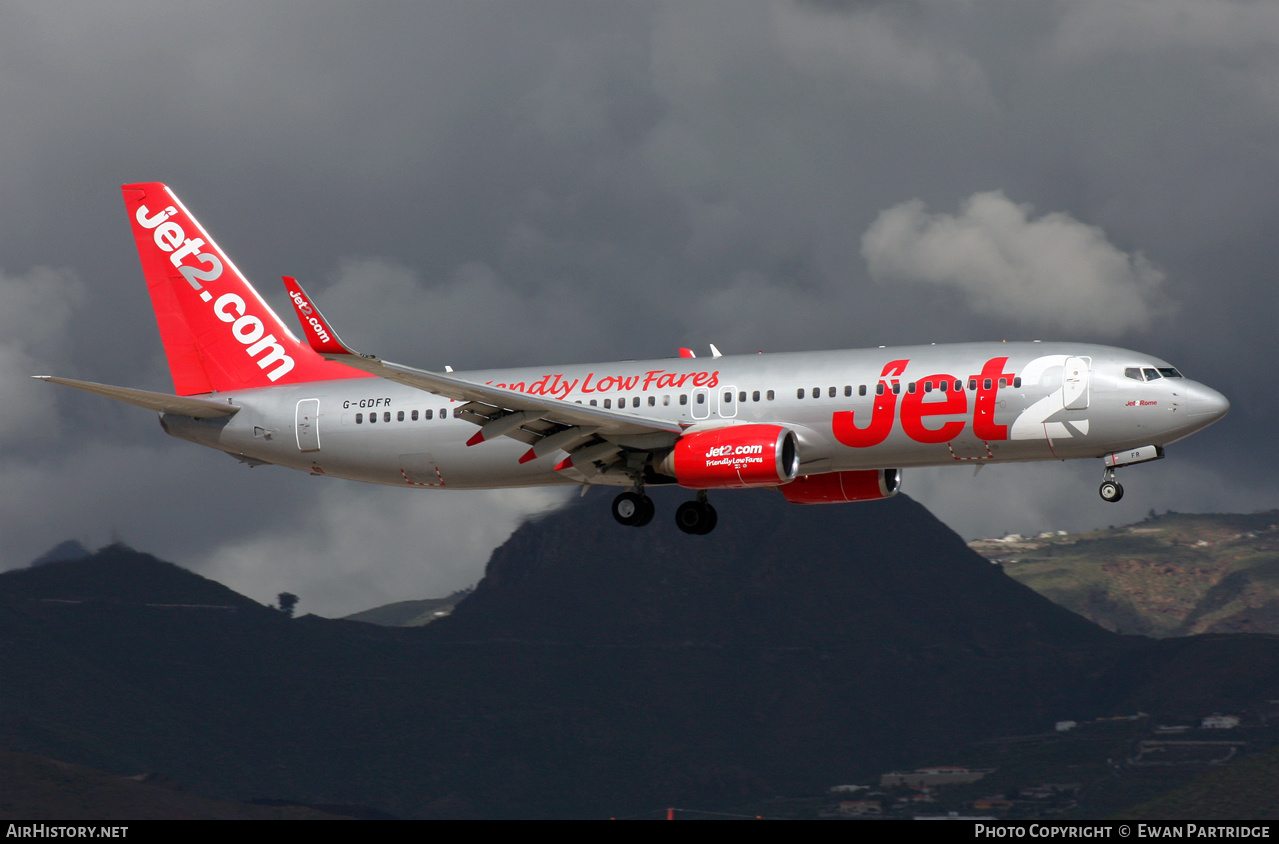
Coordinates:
<point>1246,790</point>
<point>1170,575</point>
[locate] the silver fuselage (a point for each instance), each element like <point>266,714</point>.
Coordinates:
<point>1057,401</point>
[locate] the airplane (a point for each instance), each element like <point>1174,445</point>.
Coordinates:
<point>820,427</point>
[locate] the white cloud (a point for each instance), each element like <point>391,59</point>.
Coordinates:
<point>35,310</point>
<point>359,547</point>
<point>341,546</point>
<point>1050,271</point>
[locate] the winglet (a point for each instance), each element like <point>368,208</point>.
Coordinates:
<point>315,327</point>
<point>686,353</point>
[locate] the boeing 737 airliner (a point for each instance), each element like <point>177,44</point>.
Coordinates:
<point>820,427</point>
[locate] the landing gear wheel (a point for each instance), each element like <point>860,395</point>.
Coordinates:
<point>696,517</point>
<point>712,519</point>
<point>632,509</point>
<point>648,508</point>
<point>1111,491</point>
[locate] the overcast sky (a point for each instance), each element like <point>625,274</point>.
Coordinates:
<point>495,183</point>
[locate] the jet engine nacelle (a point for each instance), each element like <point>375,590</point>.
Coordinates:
<point>841,487</point>
<point>734,457</point>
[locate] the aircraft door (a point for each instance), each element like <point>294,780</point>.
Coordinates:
<point>701,403</point>
<point>308,425</point>
<point>728,402</point>
<point>1074,383</point>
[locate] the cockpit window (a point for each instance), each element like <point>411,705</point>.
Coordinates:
<point>1150,373</point>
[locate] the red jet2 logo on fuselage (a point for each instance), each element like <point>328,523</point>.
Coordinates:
<point>914,409</point>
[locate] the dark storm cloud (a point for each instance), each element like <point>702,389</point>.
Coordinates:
<point>496,183</point>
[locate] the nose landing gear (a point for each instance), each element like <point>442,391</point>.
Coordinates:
<point>1111,490</point>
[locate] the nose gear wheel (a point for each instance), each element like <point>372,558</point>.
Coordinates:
<point>1111,490</point>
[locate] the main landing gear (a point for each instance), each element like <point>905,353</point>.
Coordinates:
<point>697,517</point>
<point>635,509</point>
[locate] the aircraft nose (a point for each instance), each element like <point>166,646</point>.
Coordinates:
<point>1206,404</point>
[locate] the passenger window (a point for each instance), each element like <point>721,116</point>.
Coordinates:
<point>831,393</point>
<point>728,398</point>
<point>910,388</point>
<point>372,418</point>
<point>928,386</point>
<point>386,417</point>
<point>652,401</point>
<point>972,383</point>
<point>1003,382</point>
<point>701,398</point>
<point>817,392</point>
<point>593,404</point>
<point>986,384</point>
<point>897,388</point>
<point>742,396</point>
<point>848,391</point>
<point>683,398</point>
<point>944,386</point>
<point>415,416</point>
<point>444,413</point>
<point>399,417</point>
<point>1017,382</point>
<point>457,413</point>
<point>430,414</point>
<point>799,394</point>
<point>359,419</point>
<point>959,386</point>
<point>861,390</point>
<point>770,395</point>
<point>666,400</point>
<point>879,388</point>
<point>608,403</point>
<point>755,396</point>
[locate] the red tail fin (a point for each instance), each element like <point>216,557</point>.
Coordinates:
<point>218,333</point>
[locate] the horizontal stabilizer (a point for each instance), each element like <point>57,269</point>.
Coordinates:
<point>161,402</point>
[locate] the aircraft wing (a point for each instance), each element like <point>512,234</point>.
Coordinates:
<point>546,424</point>
<point>160,402</point>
